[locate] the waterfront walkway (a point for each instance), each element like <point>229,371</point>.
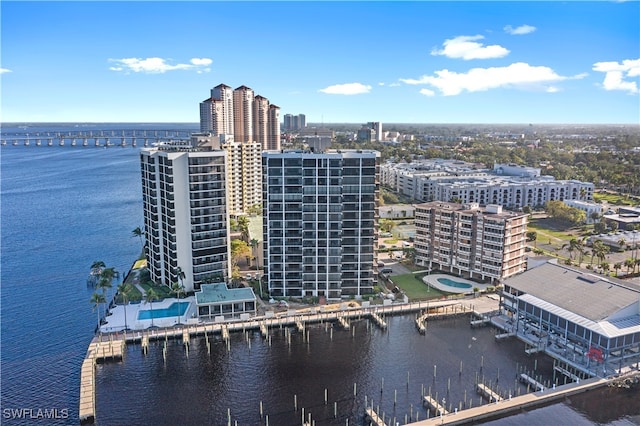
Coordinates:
<point>511,405</point>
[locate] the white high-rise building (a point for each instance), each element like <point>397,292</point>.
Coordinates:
<point>320,220</point>
<point>185,215</point>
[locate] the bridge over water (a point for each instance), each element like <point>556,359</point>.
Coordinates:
<point>95,138</point>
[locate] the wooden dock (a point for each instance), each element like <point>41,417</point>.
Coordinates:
<point>524,378</point>
<point>344,323</point>
<point>435,406</point>
<point>373,417</point>
<point>378,320</point>
<point>513,405</point>
<point>87,411</point>
<point>487,393</point>
<point>100,350</point>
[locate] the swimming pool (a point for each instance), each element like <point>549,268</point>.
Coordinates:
<point>452,283</point>
<point>174,310</point>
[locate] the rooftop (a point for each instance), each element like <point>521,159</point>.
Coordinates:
<point>220,293</point>
<point>591,296</point>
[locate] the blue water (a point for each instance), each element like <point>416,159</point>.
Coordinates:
<point>452,283</point>
<point>174,310</point>
<point>61,209</point>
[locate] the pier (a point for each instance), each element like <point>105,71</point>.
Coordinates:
<point>524,378</point>
<point>513,405</point>
<point>435,406</point>
<point>99,351</point>
<point>378,320</point>
<point>503,336</point>
<point>487,393</point>
<point>373,418</point>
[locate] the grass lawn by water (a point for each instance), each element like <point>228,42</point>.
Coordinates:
<point>415,288</point>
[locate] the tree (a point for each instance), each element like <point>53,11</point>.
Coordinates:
<point>243,227</point>
<point>149,297</point>
<point>532,236</point>
<point>97,299</point>
<point>386,225</point>
<point>138,233</point>
<point>622,243</point>
<point>124,291</point>
<point>599,250</point>
<point>599,228</point>
<point>605,267</point>
<point>574,245</point>
<point>629,263</point>
<point>254,245</point>
<point>177,289</point>
<point>97,267</point>
<point>239,249</point>
<point>181,276</point>
<point>617,267</point>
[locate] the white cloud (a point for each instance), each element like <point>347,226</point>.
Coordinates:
<point>466,47</point>
<point>518,75</point>
<point>615,74</point>
<point>346,89</point>
<point>427,92</point>
<point>4,70</point>
<point>158,65</point>
<point>521,30</point>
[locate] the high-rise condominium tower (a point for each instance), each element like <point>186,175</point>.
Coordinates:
<point>216,112</point>
<point>185,215</point>
<point>243,121</point>
<point>320,216</point>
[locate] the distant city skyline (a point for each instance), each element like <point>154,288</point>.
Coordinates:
<point>335,62</point>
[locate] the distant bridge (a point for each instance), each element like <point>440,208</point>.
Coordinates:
<point>95,138</point>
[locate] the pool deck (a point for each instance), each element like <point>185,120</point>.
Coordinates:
<point>432,280</point>
<point>115,320</point>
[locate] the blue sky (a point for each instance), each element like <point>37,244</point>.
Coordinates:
<point>400,62</point>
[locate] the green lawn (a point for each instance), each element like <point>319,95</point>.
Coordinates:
<point>415,288</point>
<point>134,295</point>
<point>616,199</point>
<point>161,290</point>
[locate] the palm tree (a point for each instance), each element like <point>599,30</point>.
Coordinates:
<point>138,232</point>
<point>605,267</point>
<point>622,243</point>
<point>177,288</point>
<point>149,297</point>
<point>574,245</point>
<point>617,267</point>
<point>629,263</point>
<point>97,299</point>
<point>599,250</point>
<point>124,291</point>
<point>96,269</point>
<point>181,276</point>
